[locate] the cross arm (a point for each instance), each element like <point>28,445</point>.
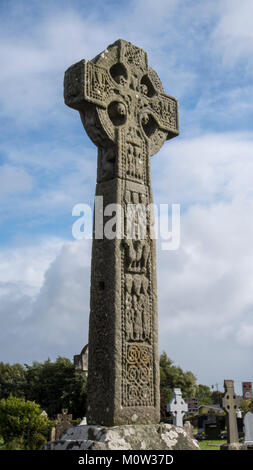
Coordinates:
<point>86,82</point>
<point>164,109</point>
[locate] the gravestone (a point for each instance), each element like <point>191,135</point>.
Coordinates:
<point>189,429</point>
<point>211,424</point>
<point>177,407</point>
<point>212,431</point>
<point>63,423</point>
<point>231,403</point>
<point>201,424</point>
<point>248,428</point>
<point>128,116</point>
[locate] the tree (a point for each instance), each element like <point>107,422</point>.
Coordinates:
<point>246,405</point>
<point>56,385</point>
<point>22,425</point>
<point>172,376</point>
<point>204,394</point>
<point>12,380</point>
<point>217,397</point>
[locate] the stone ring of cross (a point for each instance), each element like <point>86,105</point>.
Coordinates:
<point>127,94</point>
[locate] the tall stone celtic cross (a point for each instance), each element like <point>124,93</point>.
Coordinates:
<point>128,116</point>
<point>230,403</point>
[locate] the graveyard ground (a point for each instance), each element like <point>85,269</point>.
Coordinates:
<point>210,445</point>
<point>204,445</point>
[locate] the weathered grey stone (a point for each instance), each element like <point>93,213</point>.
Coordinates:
<point>188,427</point>
<point>231,403</point>
<point>81,360</point>
<point>248,428</point>
<point>128,116</point>
<point>63,423</point>
<point>130,437</point>
<point>233,446</point>
<point>177,407</point>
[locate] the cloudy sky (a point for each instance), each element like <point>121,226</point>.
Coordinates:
<point>203,52</point>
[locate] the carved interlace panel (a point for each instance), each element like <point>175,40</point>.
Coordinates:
<point>137,312</point>
<point>138,387</point>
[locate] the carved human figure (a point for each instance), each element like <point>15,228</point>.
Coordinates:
<point>145,256</point>
<point>128,307</point>
<point>130,160</point>
<point>137,319</point>
<point>130,254</point>
<point>137,284</point>
<point>138,161</point>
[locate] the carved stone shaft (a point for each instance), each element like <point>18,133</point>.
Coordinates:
<point>128,116</point>
<point>230,403</point>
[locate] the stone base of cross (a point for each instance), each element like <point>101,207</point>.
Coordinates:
<point>162,437</point>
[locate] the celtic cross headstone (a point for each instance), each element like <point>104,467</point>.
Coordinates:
<point>128,116</point>
<point>231,403</point>
<point>177,407</point>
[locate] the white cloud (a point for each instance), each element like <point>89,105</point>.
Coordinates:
<point>33,67</point>
<point>205,288</point>
<point>44,291</point>
<point>48,182</point>
<point>26,263</point>
<point>14,180</point>
<point>213,278</point>
<point>35,58</point>
<point>204,169</point>
<point>233,34</point>
<point>244,335</point>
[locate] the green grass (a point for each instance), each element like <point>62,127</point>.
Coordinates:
<point>211,445</point>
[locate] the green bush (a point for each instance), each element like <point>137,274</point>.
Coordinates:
<point>21,424</point>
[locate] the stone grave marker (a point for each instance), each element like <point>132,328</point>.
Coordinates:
<point>189,429</point>
<point>248,428</point>
<point>177,407</point>
<point>212,431</point>
<point>231,403</point>
<point>63,423</point>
